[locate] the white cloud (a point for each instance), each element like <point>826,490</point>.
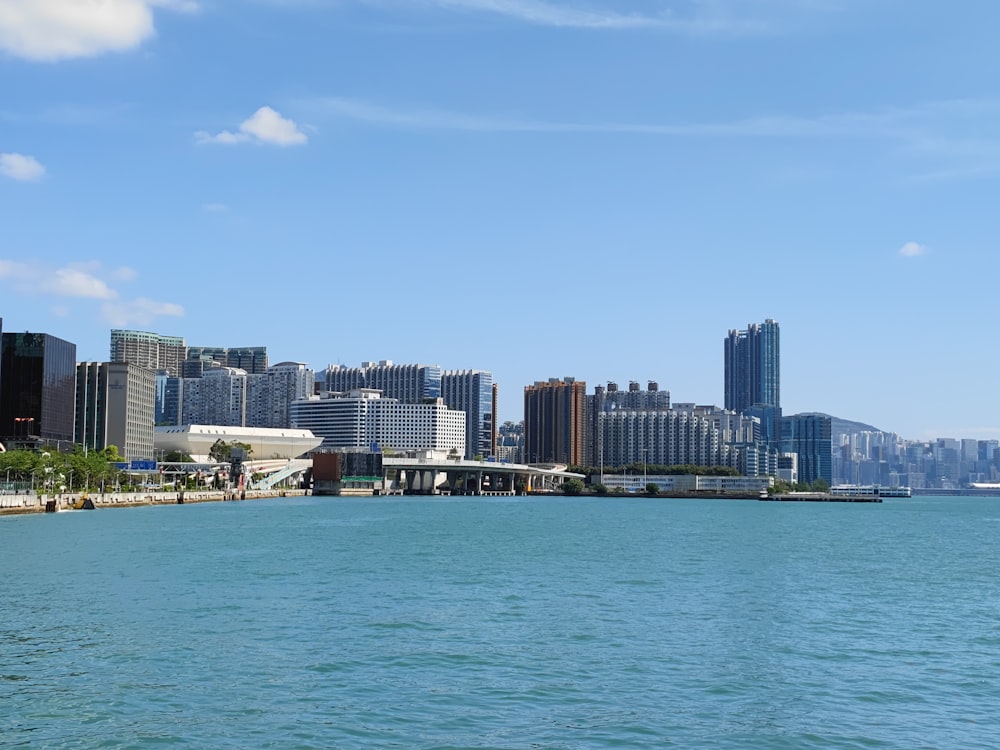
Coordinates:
<point>912,250</point>
<point>75,280</point>
<point>138,312</point>
<point>61,29</point>
<point>263,126</point>
<point>83,281</point>
<point>21,167</point>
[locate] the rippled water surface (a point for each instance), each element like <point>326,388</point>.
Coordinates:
<point>472,623</point>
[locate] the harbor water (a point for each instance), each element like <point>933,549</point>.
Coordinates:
<point>503,623</point>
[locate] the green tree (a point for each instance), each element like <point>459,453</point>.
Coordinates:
<point>572,486</point>
<point>177,457</point>
<point>221,451</point>
<point>599,489</point>
<point>652,489</point>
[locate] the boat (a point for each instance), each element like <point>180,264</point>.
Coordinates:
<point>869,490</point>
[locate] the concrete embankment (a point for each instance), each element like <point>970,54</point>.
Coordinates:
<point>32,503</point>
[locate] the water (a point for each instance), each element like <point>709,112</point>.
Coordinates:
<point>472,623</point>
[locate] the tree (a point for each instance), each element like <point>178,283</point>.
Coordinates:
<point>221,452</point>
<point>572,486</point>
<point>652,489</point>
<point>177,457</point>
<point>599,489</point>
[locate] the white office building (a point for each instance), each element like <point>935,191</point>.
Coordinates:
<point>362,418</point>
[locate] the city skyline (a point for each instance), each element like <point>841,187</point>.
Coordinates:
<point>538,188</point>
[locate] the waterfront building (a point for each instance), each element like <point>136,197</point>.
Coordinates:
<point>363,418</point>
<point>555,422</point>
<point>37,389</point>
<point>196,440</point>
<point>610,399</point>
<point>753,367</point>
<point>410,384</point>
<point>637,483</point>
<point>150,350</point>
<point>473,392</point>
<point>115,406</point>
<point>809,436</point>
<point>666,438</point>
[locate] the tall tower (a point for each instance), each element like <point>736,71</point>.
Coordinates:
<point>555,422</point>
<point>753,367</point>
<point>38,390</point>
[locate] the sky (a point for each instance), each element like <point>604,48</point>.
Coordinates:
<point>539,188</point>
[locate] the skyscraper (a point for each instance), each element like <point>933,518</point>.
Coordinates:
<point>471,391</point>
<point>753,367</point>
<point>115,406</point>
<point>37,388</point>
<point>555,422</point>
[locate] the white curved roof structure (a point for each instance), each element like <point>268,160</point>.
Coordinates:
<point>197,440</point>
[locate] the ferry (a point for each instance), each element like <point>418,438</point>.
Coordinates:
<point>869,490</point>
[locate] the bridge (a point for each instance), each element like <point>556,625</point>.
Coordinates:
<point>422,476</point>
<point>407,475</point>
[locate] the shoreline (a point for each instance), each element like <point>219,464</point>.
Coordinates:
<point>26,504</point>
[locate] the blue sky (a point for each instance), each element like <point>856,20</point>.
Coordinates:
<point>538,188</point>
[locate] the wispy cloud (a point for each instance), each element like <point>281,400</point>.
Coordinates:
<point>21,167</point>
<point>703,18</point>
<point>138,312</point>
<point>48,30</point>
<point>214,208</point>
<point>63,285</point>
<point>940,135</point>
<point>913,250</point>
<point>264,126</point>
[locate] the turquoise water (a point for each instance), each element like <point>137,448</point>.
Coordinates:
<point>472,623</point>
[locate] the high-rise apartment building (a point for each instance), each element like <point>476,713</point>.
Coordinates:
<point>809,436</point>
<point>115,406</point>
<point>37,388</point>
<point>555,422</point>
<point>219,397</point>
<point>472,391</point>
<point>753,367</point>
<point>251,359</point>
<point>411,384</point>
<point>270,394</point>
<point>150,350</point>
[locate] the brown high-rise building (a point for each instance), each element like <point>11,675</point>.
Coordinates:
<point>555,422</point>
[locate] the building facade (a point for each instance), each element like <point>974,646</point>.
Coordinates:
<point>37,389</point>
<point>363,418</point>
<point>810,437</point>
<point>555,422</point>
<point>411,384</point>
<point>753,367</point>
<point>115,406</point>
<point>472,391</point>
<point>150,350</point>
<point>270,394</point>
<point>250,359</point>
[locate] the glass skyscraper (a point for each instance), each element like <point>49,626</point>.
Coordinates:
<point>753,367</point>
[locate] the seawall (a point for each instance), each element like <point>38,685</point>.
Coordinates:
<point>33,503</point>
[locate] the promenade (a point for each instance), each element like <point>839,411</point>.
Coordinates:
<point>28,502</point>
